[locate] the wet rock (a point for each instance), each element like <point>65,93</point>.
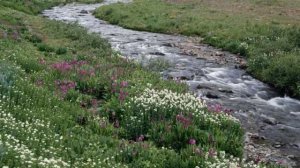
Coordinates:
<point>219,54</point>
<point>140,39</point>
<point>168,45</point>
<point>256,136</point>
<point>203,87</point>
<point>134,53</point>
<point>157,53</point>
<point>84,12</point>
<point>243,65</point>
<point>246,77</point>
<point>182,75</point>
<point>200,58</point>
<point>296,145</point>
<point>269,120</point>
<point>225,90</point>
<point>277,145</point>
<point>295,113</point>
<point>212,96</point>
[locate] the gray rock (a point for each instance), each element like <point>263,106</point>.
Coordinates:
<point>203,87</point>
<point>157,53</point>
<point>277,145</point>
<point>140,39</point>
<point>182,75</point>
<point>212,95</point>
<point>225,90</point>
<point>84,12</point>
<point>218,53</point>
<point>269,120</point>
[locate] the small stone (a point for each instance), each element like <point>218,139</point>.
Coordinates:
<point>140,39</point>
<point>290,156</point>
<point>219,54</point>
<point>203,87</point>
<point>157,53</point>
<point>225,90</point>
<point>199,58</point>
<point>262,137</point>
<point>269,120</point>
<point>168,45</point>
<point>277,145</point>
<point>243,65</point>
<point>182,75</point>
<point>84,12</point>
<point>254,136</point>
<point>296,145</point>
<point>212,96</point>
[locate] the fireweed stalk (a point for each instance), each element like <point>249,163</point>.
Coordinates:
<point>119,88</point>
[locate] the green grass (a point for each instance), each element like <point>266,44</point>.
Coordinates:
<point>266,32</point>
<point>67,99</point>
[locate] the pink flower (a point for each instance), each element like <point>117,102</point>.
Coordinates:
<point>65,86</point>
<point>211,152</point>
<point>94,103</point>
<point>184,121</point>
<point>140,138</point>
<point>62,66</point>
<point>42,61</point>
<point>198,151</point>
<point>124,84</point>
<point>192,142</point>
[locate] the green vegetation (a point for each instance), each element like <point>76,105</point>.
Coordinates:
<point>266,32</point>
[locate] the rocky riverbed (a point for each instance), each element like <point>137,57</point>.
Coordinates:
<point>271,121</point>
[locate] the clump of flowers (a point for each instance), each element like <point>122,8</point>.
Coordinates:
<point>119,88</point>
<point>219,159</point>
<point>186,122</point>
<point>166,102</point>
<point>218,109</point>
<point>66,66</point>
<point>192,141</point>
<point>65,86</point>
<point>62,66</point>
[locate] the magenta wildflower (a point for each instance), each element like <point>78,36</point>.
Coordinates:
<point>198,151</point>
<point>124,84</point>
<point>211,152</point>
<point>16,35</point>
<point>94,103</point>
<point>62,66</point>
<point>42,61</point>
<point>192,142</point>
<point>184,121</point>
<point>116,124</point>
<point>140,138</point>
<point>65,86</point>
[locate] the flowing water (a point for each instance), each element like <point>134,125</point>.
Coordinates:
<point>272,122</point>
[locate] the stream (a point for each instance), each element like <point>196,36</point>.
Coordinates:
<point>271,122</point>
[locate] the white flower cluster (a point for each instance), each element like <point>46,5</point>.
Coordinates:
<point>30,141</point>
<point>166,100</point>
<point>220,161</point>
<point>33,133</point>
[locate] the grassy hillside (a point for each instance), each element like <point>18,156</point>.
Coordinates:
<point>266,32</point>
<point>68,100</point>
